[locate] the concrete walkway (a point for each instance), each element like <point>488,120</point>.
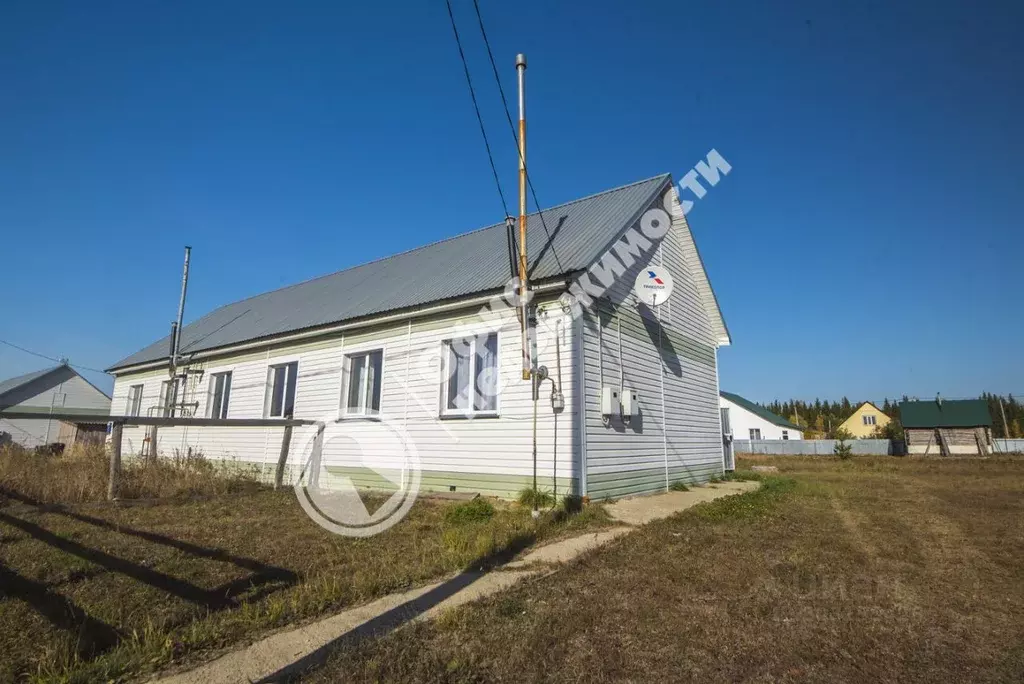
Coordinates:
<point>640,510</point>
<point>286,653</point>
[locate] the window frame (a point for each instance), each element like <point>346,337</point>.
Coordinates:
<point>446,413</point>
<point>133,405</point>
<point>211,394</point>
<point>785,435</point>
<point>755,434</point>
<point>166,386</point>
<point>869,420</point>
<point>346,376</point>
<point>268,397</point>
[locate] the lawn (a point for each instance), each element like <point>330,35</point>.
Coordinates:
<point>867,570</point>
<point>93,592</point>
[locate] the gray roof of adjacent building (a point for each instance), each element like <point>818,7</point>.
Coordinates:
<point>14,383</point>
<point>469,264</point>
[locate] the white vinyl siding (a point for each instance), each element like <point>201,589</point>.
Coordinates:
<point>410,397</point>
<point>671,364</point>
<point>746,424</point>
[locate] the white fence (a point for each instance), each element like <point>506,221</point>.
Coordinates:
<point>1008,446</point>
<point>817,447</point>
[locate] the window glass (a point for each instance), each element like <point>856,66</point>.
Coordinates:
<point>459,368</point>
<point>486,396</point>
<point>363,379</point>
<point>471,385</point>
<point>281,381</point>
<point>134,407</point>
<point>220,394</point>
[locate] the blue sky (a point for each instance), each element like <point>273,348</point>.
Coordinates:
<point>864,244</point>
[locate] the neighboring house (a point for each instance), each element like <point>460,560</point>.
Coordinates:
<point>55,389</point>
<point>947,427</point>
<point>750,421</point>
<point>409,340</point>
<point>864,420</point>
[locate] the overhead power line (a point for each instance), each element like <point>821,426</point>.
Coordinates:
<point>476,107</point>
<point>512,128</point>
<point>50,358</point>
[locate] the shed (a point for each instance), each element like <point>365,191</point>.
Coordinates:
<point>751,421</point>
<point>57,389</point>
<point>947,427</point>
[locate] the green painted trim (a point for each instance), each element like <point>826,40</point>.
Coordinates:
<point>488,484</point>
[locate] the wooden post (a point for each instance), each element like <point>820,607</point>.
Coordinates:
<point>115,461</point>
<point>283,459</point>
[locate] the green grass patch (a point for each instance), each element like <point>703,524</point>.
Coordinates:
<point>476,510</point>
<point>536,498</point>
<point>105,593</point>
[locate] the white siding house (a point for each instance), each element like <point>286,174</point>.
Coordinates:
<point>750,421</point>
<point>365,360</point>
<point>55,389</point>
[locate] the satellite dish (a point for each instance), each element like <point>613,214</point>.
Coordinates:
<point>653,286</point>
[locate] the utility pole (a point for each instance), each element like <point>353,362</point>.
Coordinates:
<point>1006,428</point>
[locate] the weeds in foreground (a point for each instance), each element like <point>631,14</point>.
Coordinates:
<point>679,486</point>
<point>80,475</point>
<point>536,498</point>
<point>476,510</point>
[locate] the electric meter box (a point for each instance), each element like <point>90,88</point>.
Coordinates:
<point>609,401</point>
<point>630,403</point>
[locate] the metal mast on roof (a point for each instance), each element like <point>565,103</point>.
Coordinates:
<point>524,286</point>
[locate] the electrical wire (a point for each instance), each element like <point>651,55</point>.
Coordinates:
<point>476,107</point>
<point>515,136</point>
<point>50,358</point>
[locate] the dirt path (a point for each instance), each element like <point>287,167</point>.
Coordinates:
<point>289,652</point>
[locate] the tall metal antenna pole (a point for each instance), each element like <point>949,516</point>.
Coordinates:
<point>181,312</point>
<point>523,278</point>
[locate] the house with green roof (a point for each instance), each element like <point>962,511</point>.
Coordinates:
<point>748,420</point>
<point>947,427</point>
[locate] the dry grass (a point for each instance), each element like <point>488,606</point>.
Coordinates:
<point>872,569</point>
<point>98,592</point>
<point>80,475</point>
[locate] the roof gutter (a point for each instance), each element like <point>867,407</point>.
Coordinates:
<point>340,327</point>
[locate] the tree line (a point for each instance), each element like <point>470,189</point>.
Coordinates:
<point>821,419</point>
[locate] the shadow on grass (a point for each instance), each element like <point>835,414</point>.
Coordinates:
<point>217,598</point>
<point>92,636</point>
<point>391,620</point>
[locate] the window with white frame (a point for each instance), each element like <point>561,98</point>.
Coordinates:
<point>785,434</point>
<point>470,386</point>
<point>755,433</point>
<point>169,397</point>
<point>220,394</point>
<point>134,406</point>
<point>280,399</point>
<point>362,383</point>
<point>868,420</point>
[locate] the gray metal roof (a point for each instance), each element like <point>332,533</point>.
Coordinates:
<point>456,267</point>
<point>14,383</point>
